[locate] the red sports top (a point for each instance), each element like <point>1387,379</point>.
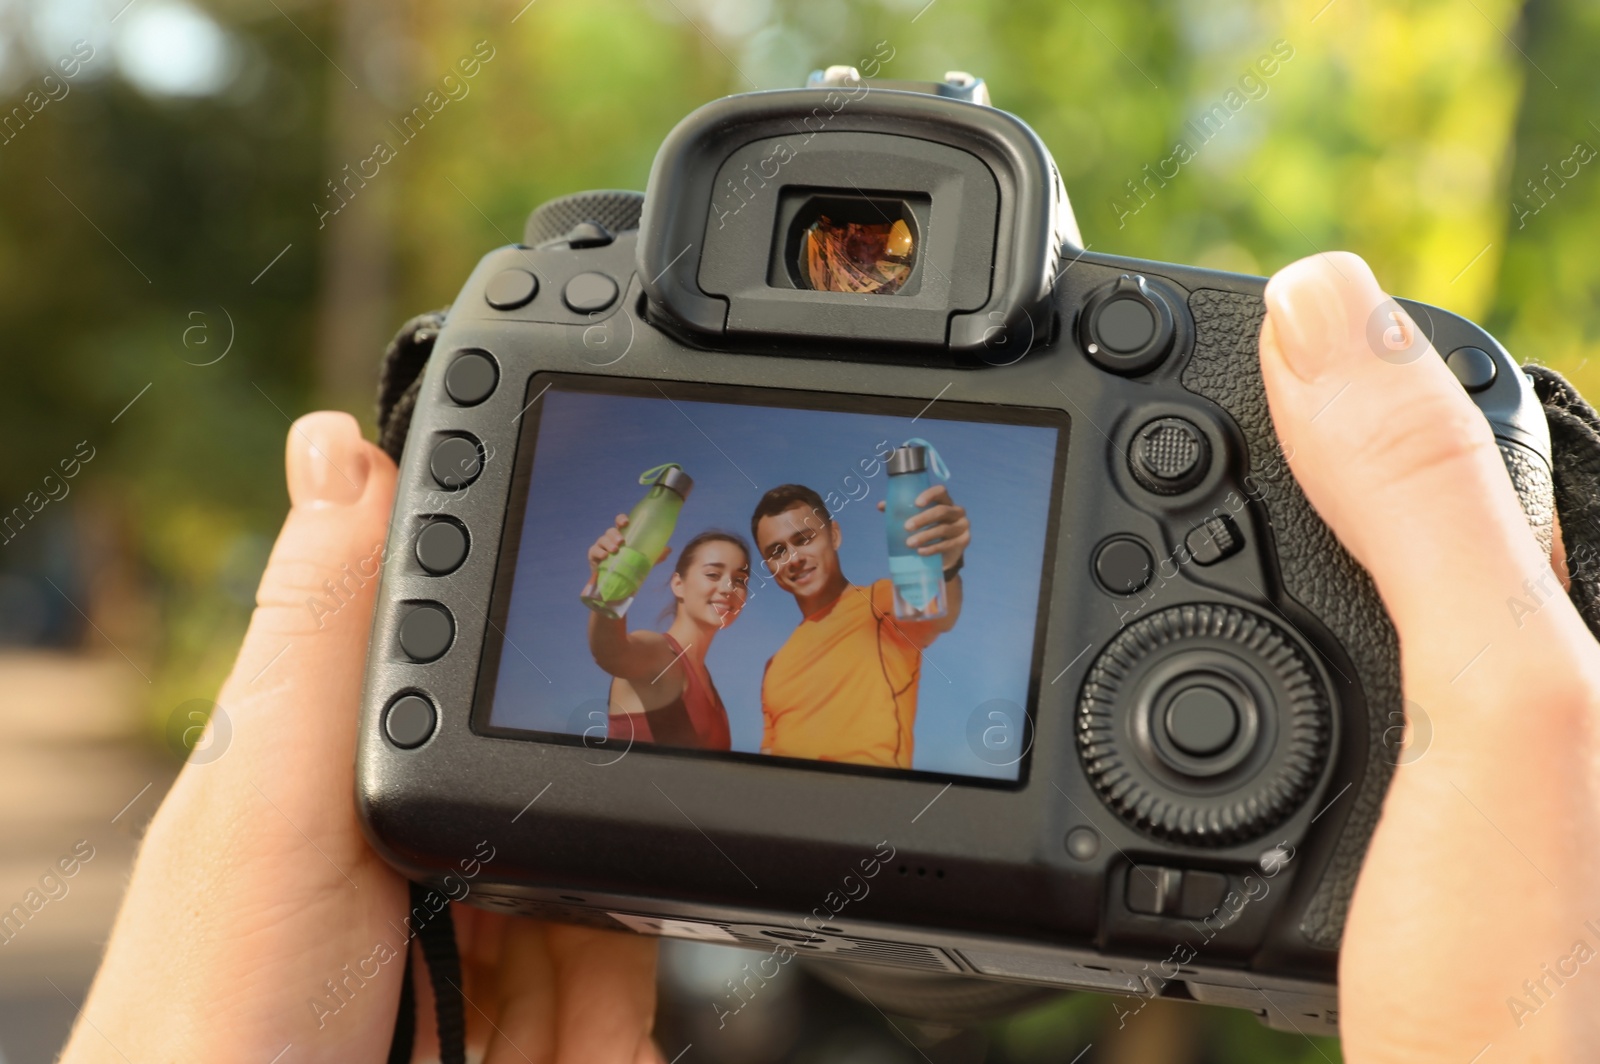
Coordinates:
<point>696,718</point>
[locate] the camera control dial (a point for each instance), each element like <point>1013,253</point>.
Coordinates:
<point>1204,724</point>
<point>1127,326</point>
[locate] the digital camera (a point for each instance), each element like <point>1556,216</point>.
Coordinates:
<point>825,553</point>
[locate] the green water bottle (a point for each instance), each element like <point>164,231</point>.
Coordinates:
<point>617,580</point>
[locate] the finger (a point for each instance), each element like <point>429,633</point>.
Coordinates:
<point>663,556</point>
<point>604,547</point>
<point>1403,468</point>
<point>340,490</point>
<point>482,936</point>
<point>314,608</point>
<point>608,994</point>
<point>934,515</point>
<point>948,529</point>
<point>881,506</point>
<point>622,520</point>
<point>522,999</point>
<point>950,548</point>
<point>932,494</point>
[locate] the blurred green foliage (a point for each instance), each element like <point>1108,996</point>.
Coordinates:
<point>144,234</point>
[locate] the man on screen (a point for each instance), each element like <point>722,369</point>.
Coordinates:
<point>843,687</point>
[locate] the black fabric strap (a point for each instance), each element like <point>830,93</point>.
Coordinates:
<point>405,1023</point>
<point>400,377</point>
<point>436,937</point>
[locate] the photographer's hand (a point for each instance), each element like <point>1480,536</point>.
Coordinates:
<point>255,893</point>
<point>1482,872</point>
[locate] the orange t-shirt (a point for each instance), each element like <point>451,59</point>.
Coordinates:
<point>844,685</point>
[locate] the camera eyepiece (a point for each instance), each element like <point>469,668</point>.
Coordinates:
<point>780,217</point>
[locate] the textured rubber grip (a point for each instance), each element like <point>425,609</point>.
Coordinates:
<point>1317,572</point>
<point>1531,477</point>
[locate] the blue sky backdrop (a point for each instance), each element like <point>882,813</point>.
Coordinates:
<point>588,456</point>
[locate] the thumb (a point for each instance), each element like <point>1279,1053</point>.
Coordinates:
<point>313,614</point>
<point>1395,458</point>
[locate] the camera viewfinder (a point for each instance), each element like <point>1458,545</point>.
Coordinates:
<point>853,244</point>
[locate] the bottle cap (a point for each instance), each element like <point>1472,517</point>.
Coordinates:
<point>910,458</point>
<point>670,475</point>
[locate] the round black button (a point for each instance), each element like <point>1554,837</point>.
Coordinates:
<point>1125,325</point>
<point>471,378</point>
<point>1202,721</point>
<point>510,289</point>
<point>1123,566</point>
<point>589,292</point>
<point>1083,843</point>
<point>426,631</point>
<point>441,547</point>
<point>410,721</point>
<point>1473,367</point>
<point>1169,455</point>
<point>455,462</point>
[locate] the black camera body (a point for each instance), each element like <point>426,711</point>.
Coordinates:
<point>1154,775</point>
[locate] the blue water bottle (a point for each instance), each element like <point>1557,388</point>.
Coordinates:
<point>919,592</point>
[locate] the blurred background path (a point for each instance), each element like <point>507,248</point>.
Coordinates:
<point>74,780</point>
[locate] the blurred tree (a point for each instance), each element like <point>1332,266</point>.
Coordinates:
<point>1546,304</point>
<point>145,328</point>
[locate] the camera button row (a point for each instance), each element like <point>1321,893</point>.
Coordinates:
<point>1123,564</point>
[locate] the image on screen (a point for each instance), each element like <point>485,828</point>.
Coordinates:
<point>849,581</point>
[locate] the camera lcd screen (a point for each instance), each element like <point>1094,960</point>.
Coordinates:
<point>729,572</point>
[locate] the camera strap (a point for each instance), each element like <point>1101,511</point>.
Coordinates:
<point>400,378</point>
<point>436,938</point>
<point>1575,456</point>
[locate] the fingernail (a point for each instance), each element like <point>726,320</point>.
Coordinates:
<point>327,460</point>
<point>1317,307</point>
